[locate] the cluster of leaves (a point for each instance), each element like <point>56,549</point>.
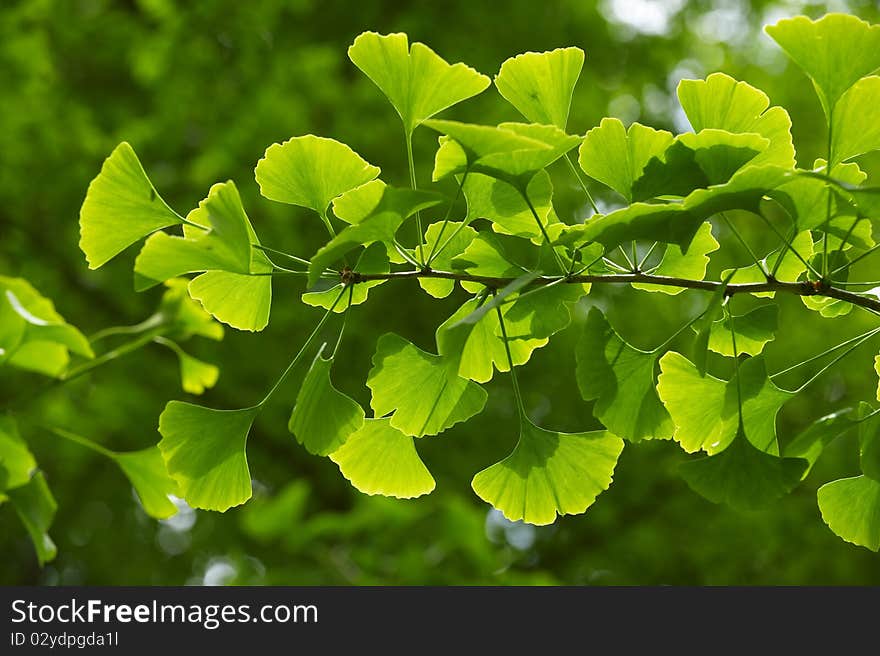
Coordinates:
<point>522,275</point>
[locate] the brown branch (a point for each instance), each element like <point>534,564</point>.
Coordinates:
<point>806,288</point>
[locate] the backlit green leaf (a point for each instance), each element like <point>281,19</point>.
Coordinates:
<point>620,378</point>
<point>423,390</point>
<point>549,474</point>
<point>617,157</point>
<point>696,161</point>
<point>753,329</point>
<point>856,126</point>
<point>742,476</point>
<point>851,508</point>
<point>540,84</point>
<point>417,81</point>
<point>121,207</point>
<point>704,409</point>
<point>35,507</point>
<point>149,477</point>
<point>379,459</point>
<point>195,375</point>
<point>323,417</point>
<point>543,312</point>
<point>455,239</point>
<point>204,450</point>
<point>500,203</point>
<point>834,51</point>
<point>805,197</point>
<point>790,269</point>
<point>311,171</point>
<point>720,102</point>
<point>224,245</point>
<point>478,348</point>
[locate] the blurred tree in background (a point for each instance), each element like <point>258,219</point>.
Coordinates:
<point>201,89</point>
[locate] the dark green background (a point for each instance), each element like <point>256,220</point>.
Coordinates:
<point>200,89</point>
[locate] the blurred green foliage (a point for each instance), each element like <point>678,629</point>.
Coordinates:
<point>200,90</point>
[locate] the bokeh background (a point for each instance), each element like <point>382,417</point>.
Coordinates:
<point>200,89</point>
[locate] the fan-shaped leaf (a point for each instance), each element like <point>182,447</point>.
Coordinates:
<point>35,507</point>
<point>17,463</point>
<point>690,263</point>
<point>851,508</point>
<point>856,126</point>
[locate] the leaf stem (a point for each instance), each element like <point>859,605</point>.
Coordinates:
<point>854,260</point>
<point>513,378</point>
<point>745,244</point>
<point>412,182</point>
<point>150,322</point>
<point>547,240</point>
<point>837,359</point>
<point>434,252</point>
<point>82,441</point>
<point>583,184</point>
<point>822,354</point>
<point>301,351</point>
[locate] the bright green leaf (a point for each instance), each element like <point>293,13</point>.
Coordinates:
<point>753,329</point>
<point>454,239</point>
<point>224,244</point>
<point>856,126</point>
<point>540,84</point>
<point>851,508</point>
<point>835,51</point>
<point>617,157</point>
<point>478,348</point>
<point>379,459</point>
<point>311,171</point>
<point>703,325</point>
<point>417,81</point>
<point>542,313</point>
<point>423,390</point>
<point>549,474</point>
<point>121,207</point>
<point>620,378</point>
<point>323,417</point>
<point>500,203</point>
<point>204,450</point>
<point>704,409</point>
<point>149,477</point>
<point>805,197</point>
<point>789,269</point>
<point>722,103</point>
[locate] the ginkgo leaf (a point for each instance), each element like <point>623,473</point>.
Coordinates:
<point>204,451</point>
<point>855,128</point>
<point>549,474</point>
<point>500,203</point>
<point>620,378</point>
<point>721,102</point>
<point>311,171</point>
<point>754,330</point>
<point>120,208</point>
<point>805,197</point>
<point>240,300</point>
<point>477,347</point>
<point>35,507</point>
<point>690,263</point>
<point>513,152</point>
<point>812,441</point>
<point>146,471</point>
<point>487,256</point>
<point>703,325</point>
<point>856,230</point>
<point>851,509</point>
<point>455,238</point>
<point>417,81</point>
<point>678,222</point>
<point>374,220</point>
<point>617,157</point>
<point>323,417</point>
<point>224,244</point>
<point>16,460</point>
<point>743,477</point>
<point>423,390</point>
<point>374,259</point>
<point>696,161</point>
<point>835,51</point>
<point>542,313</point>
<point>705,410</point>
<point>379,459</point>
<point>33,336</point>
<point>540,84</point>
